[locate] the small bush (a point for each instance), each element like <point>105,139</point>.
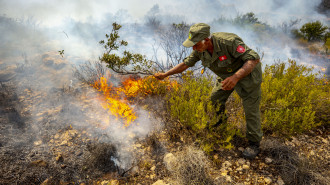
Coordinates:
<point>191,105</point>
<point>293,99</point>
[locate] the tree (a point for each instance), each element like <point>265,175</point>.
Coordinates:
<point>248,18</point>
<point>171,40</point>
<point>314,31</point>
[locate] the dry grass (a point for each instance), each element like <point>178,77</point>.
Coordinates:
<point>293,168</point>
<point>192,167</point>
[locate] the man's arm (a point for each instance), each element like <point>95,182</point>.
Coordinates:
<point>246,69</point>
<point>177,69</point>
<point>230,82</point>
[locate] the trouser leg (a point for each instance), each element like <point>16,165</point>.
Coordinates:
<point>253,120</point>
<point>219,98</point>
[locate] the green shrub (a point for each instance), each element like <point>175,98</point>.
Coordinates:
<point>314,31</point>
<point>293,99</point>
<point>190,104</point>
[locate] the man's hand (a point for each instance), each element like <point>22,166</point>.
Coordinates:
<point>177,69</point>
<point>229,83</point>
<point>160,76</point>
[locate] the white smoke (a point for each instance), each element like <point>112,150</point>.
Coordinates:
<point>76,26</point>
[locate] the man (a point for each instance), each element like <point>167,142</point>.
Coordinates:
<point>237,67</point>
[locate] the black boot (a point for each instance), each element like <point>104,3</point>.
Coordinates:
<point>223,118</point>
<point>252,150</point>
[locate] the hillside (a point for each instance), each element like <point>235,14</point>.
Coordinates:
<point>56,136</point>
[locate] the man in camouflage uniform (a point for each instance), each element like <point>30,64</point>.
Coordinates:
<point>237,67</point>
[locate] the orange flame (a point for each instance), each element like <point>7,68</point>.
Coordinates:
<point>113,104</point>
<point>131,87</point>
<point>146,86</point>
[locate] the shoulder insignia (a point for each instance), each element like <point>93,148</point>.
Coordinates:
<point>240,49</point>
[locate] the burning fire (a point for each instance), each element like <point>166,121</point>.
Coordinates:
<point>116,97</point>
<point>113,103</point>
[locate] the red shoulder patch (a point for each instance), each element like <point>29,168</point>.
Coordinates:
<point>240,49</point>
<point>224,57</point>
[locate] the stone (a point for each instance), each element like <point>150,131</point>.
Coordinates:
<point>134,171</point>
<point>268,180</point>
<point>226,164</point>
<point>280,181</point>
<point>153,168</point>
<point>223,172</point>
<point>59,158</point>
<point>325,141</point>
<point>105,182</point>
<point>268,160</point>
<point>39,163</point>
<point>159,182</point>
<point>37,143</point>
<point>152,176</point>
<point>169,161</point>
<point>241,161</point>
<point>240,149</point>
<point>228,179</point>
<point>246,167</point>
<point>295,141</point>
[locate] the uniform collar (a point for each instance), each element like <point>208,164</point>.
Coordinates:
<point>215,44</point>
<point>216,49</point>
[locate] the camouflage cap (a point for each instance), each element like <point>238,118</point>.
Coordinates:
<point>197,32</point>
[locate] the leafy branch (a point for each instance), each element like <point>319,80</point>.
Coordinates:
<point>129,63</point>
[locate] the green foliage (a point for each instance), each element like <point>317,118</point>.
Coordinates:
<point>313,31</point>
<point>297,34</point>
<point>61,52</point>
<point>129,63</point>
<point>191,105</point>
<point>248,18</point>
<point>293,99</point>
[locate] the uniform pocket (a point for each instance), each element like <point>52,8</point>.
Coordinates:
<point>256,74</point>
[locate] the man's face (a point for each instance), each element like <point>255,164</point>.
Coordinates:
<point>200,46</point>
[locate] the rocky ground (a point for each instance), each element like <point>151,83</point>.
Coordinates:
<point>49,135</point>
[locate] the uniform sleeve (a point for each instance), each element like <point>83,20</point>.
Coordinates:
<point>192,59</point>
<point>239,49</point>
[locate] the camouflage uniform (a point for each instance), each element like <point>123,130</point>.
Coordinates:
<point>229,55</point>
